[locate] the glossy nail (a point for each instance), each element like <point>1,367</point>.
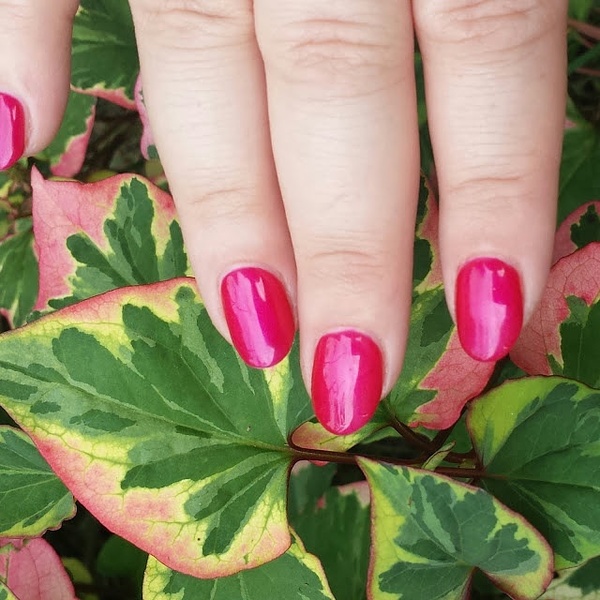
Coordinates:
<point>259,316</point>
<point>347,381</point>
<point>12,131</point>
<point>489,308</point>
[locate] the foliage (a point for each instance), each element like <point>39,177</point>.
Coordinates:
<point>198,477</point>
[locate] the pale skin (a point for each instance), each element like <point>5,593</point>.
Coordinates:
<point>288,132</point>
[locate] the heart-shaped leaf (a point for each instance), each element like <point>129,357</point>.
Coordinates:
<point>91,238</point>
<point>430,533</point>
<point>154,423</point>
<point>538,441</point>
<point>32,497</point>
<point>66,152</point>
<point>296,574</point>
<point>32,570</point>
<point>562,335</point>
<point>104,61</point>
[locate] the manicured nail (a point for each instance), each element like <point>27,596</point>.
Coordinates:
<point>347,381</point>
<point>259,316</point>
<point>489,308</point>
<point>12,131</point>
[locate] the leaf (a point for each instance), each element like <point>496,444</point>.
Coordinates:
<point>104,61</point>
<point>579,166</point>
<point>561,336</point>
<point>66,152</point>
<point>91,238</point>
<point>438,376</point>
<point>5,593</point>
<point>580,228</point>
<point>32,497</point>
<point>336,530</point>
<point>119,558</point>
<point>19,274</point>
<point>307,485</point>
<point>156,426</point>
<point>576,584</point>
<point>538,441</point>
<point>32,571</point>
<point>429,533</point>
<point>296,574</point>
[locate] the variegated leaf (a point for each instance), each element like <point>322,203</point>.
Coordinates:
<point>296,574</point>
<point>154,423</point>
<point>32,497</point>
<point>32,570</point>
<point>538,441</point>
<point>579,229</point>
<point>91,238</point>
<point>5,593</point>
<point>18,273</point>
<point>66,153</point>
<point>561,337</point>
<point>104,61</point>
<point>438,376</point>
<point>430,533</point>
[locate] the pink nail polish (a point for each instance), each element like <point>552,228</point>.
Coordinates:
<point>347,381</point>
<point>259,316</point>
<point>489,308</point>
<point>12,131</point>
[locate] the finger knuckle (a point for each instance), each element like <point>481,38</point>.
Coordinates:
<point>353,266</point>
<point>194,23</point>
<point>491,25</point>
<point>329,50</point>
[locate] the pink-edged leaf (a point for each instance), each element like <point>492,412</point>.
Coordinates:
<point>152,421</point>
<point>579,229</point>
<point>91,238</point>
<point>32,570</point>
<point>438,376</point>
<point>104,61</point>
<point>147,145</point>
<point>562,335</point>
<point>66,153</point>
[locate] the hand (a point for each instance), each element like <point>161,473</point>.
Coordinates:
<point>288,132</point>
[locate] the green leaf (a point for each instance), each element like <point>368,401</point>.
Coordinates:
<point>579,166</point>
<point>32,497</point>
<point>19,274</point>
<point>580,9</point>
<point>430,533</point>
<point>579,229</point>
<point>66,152</point>
<point>5,593</point>
<point>154,423</point>
<point>538,440</point>
<point>91,238</point>
<point>576,584</point>
<point>296,574</point>
<point>104,61</point>
<point>336,530</point>
<point>307,485</point>
<point>119,558</point>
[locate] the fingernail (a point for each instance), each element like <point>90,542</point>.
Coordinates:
<point>259,316</point>
<point>347,381</point>
<point>12,131</point>
<point>489,308</point>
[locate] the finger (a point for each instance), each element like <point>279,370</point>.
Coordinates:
<point>204,90</point>
<point>343,125</point>
<point>34,74</point>
<point>495,81</point>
